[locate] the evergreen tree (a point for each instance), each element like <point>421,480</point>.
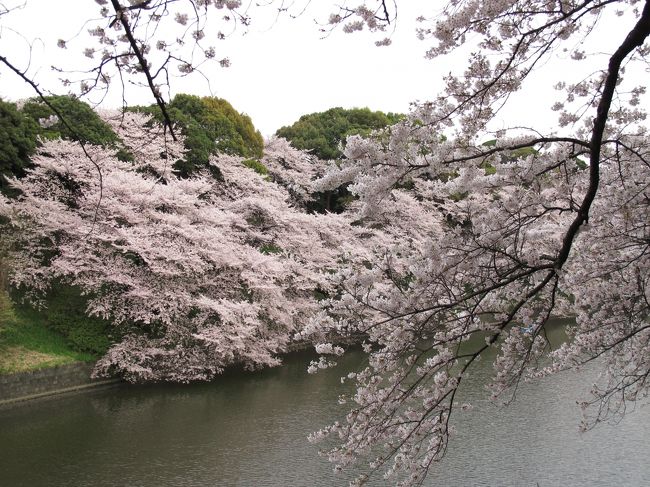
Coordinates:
<point>209,125</point>
<point>323,133</point>
<point>17,143</point>
<point>86,125</point>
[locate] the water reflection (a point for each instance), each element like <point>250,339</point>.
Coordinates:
<point>249,430</point>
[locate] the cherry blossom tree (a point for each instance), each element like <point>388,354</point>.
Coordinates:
<point>457,232</point>
<point>528,226</point>
<point>197,274</point>
<point>294,169</point>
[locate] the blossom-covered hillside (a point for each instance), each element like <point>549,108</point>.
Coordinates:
<point>195,274</point>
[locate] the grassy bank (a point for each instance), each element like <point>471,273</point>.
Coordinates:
<point>26,342</point>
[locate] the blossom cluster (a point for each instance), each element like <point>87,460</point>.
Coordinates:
<point>198,274</point>
<point>495,236</point>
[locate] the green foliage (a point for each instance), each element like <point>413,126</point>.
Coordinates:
<point>488,168</point>
<point>582,165</point>
<point>330,201</point>
<point>458,196</point>
<point>490,143</point>
<point>210,125</point>
<point>256,166</point>
<point>65,314</point>
<point>525,152</point>
<point>323,132</point>
<point>244,140</point>
<point>17,143</point>
<point>27,344</point>
<point>270,248</point>
<point>86,124</point>
<point>320,295</point>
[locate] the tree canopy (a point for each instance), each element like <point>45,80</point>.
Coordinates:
<point>209,125</point>
<point>17,142</point>
<point>452,246</point>
<point>84,123</point>
<point>194,274</point>
<point>324,133</point>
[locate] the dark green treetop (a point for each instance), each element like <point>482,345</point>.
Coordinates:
<point>210,125</point>
<point>323,132</point>
<point>17,143</point>
<point>87,125</point>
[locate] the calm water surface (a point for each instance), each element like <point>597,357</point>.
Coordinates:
<point>250,430</point>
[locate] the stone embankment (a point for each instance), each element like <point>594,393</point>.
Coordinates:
<point>62,379</point>
<point>24,386</point>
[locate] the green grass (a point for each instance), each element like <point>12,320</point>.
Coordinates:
<point>26,343</point>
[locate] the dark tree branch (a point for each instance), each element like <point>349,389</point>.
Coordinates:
<point>67,125</point>
<point>634,39</point>
<point>122,18</point>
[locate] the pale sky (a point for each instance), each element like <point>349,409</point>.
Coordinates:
<point>279,70</point>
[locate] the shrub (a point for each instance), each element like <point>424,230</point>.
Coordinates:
<point>64,312</point>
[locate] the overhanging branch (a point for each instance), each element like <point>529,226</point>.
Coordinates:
<point>634,39</point>
<point>120,15</point>
<point>63,120</point>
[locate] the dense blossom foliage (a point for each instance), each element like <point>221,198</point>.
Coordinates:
<point>456,233</point>
<point>294,169</point>
<point>197,273</point>
<point>532,226</point>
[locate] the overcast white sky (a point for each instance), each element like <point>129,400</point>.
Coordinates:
<point>279,71</point>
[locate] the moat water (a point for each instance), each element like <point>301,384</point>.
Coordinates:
<point>250,429</point>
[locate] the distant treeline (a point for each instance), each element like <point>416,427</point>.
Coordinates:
<point>209,125</point>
